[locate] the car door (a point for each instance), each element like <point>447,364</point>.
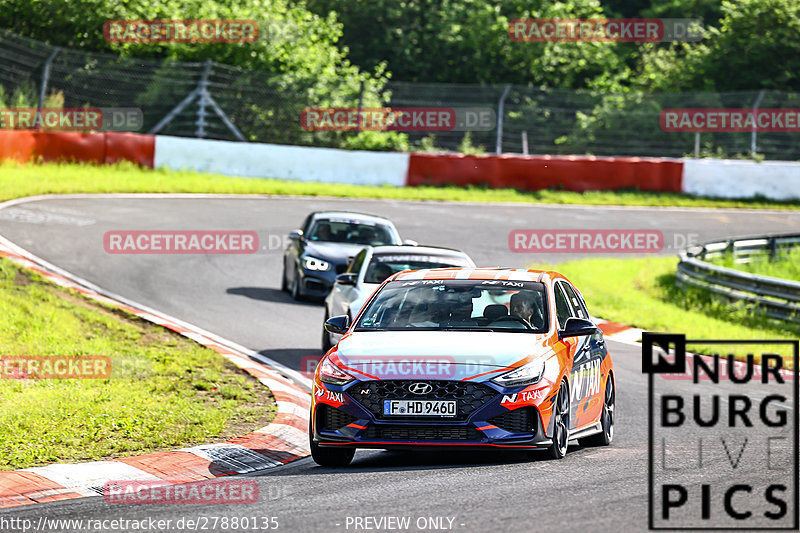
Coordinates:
<point>585,378</point>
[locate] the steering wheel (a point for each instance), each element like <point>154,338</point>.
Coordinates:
<point>512,318</point>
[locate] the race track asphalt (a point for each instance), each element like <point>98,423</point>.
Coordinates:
<point>239,298</point>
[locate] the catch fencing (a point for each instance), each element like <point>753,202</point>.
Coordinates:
<point>216,101</point>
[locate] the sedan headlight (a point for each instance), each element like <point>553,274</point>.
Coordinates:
<point>312,263</point>
<point>525,375</point>
<point>330,373</point>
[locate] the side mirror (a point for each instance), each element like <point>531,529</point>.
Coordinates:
<point>296,235</point>
<point>348,278</point>
<point>337,324</point>
<point>577,327</point>
<point>409,242</point>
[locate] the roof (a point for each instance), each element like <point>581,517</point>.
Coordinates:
<point>351,215</point>
<point>417,250</point>
<point>510,274</point>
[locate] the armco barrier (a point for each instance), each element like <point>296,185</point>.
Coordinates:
<point>777,298</point>
<point>102,148</point>
<point>572,173</point>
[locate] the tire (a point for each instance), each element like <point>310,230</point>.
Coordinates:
<point>605,437</point>
<point>335,457</point>
<point>284,284</point>
<point>558,449</point>
<point>297,295</point>
<point>326,337</point>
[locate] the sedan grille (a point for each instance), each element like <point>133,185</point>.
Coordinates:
<point>468,395</point>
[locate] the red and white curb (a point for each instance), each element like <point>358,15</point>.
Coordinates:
<point>282,441</point>
<point>619,332</point>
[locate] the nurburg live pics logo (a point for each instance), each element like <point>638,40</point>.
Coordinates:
<point>722,434</point>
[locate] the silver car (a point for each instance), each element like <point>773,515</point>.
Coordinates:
<point>374,264</point>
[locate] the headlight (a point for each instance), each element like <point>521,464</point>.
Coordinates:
<point>312,263</point>
<point>524,375</point>
<point>330,373</point>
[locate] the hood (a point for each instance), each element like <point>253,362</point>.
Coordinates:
<point>334,252</point>
<point>438,354</point>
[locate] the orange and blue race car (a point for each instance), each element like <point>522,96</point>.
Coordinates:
<point>464,357</point>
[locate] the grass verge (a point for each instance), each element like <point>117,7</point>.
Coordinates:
<point>641,292</point>
<point>26,180</point>
<point>164,391</point>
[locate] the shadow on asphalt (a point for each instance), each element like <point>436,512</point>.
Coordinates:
<point>269,294</point>
<point>400,460</point>
<point>302,360</point>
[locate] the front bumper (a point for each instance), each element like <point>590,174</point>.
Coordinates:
<point>356,424</point>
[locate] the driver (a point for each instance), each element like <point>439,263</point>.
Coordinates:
<point>323,232</point>
<point>522,305</point>
<point>381,272</point>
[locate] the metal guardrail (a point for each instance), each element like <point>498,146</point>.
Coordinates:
<point>777,298</point>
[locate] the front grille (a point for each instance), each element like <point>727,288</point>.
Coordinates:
<point>469,396</point>
<point>515,421</point>
<point>331,419</point>
<point>383,432</point>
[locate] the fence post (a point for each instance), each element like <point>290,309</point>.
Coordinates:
<point>360,105</point>
<point>43,85</point>
<point>697,145</point>
<point>499,145</point>
<point>525,142</point>
<point>202,87</point>
<point>753,133</point>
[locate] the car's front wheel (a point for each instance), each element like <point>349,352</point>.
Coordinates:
<point>558,449</point>
<point>329,456</point>
<point>605,437</point>
<point>296,292</point>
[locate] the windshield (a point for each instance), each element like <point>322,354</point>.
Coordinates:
<point>475,305</point>
<point>383,266</point>
<point>331,230</point>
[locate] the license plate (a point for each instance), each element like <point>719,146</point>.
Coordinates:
<point>419,407</point>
